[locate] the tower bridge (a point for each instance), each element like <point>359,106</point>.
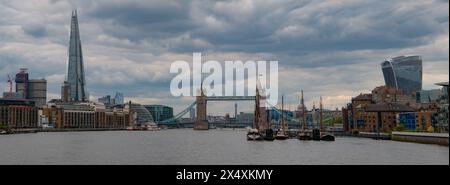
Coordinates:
<point>201,122</point>
<point>200,103</point>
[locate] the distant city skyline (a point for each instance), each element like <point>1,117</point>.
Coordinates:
<point>128,45</point>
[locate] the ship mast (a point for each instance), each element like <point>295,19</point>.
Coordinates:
<point>257,115</point>
<point>303,113</point>
<point>282,113</point>
<point>320,114</point>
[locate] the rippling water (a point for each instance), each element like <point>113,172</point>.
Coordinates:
<point>186,146</point>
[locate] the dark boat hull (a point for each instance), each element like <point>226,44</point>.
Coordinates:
<point>304,135</point>
<point>327,138</point>
<point>305,138</point>
<point>281,137</point>
<point>316,135</point>
<point>268,136</point>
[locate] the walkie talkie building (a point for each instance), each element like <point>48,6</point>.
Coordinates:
<point>75,73</point>
<point>403,73</point>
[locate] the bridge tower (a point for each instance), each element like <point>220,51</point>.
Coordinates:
<point>201,122</point>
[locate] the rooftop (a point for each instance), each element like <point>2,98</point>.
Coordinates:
<point>363,97</point>
<point>442,83</point>
<point>388,107</point>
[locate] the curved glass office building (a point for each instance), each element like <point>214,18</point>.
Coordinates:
<point>404,73</point>
<point>143,115</point>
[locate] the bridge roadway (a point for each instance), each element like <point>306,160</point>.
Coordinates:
<point>230,98</point>
<point>202,108</point>
<point>212,124</point>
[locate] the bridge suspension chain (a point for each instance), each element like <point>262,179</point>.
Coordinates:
<point>288,118</point>
<point>180,114</point>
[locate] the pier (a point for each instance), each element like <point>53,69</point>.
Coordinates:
<point>375,135</point>
<point>35,130</point>
<point>421,137</point>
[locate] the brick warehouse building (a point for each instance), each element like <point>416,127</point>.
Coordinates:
<point>69,115</point>
<point>18,113</point>
<point>416,115</point>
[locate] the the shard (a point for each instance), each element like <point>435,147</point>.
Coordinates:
<point>75,73</point>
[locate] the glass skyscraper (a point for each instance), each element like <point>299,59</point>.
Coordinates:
<point>118,98</point>
<point>75,73</point>
<point>403,73</point>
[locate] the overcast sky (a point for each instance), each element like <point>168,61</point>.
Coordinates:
<point>330,48</point>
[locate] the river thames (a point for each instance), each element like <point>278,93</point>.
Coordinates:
<point>186,146</point>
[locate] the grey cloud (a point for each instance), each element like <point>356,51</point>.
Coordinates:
<point>36,30</point>
<point>142,19</point>
<point>286,27</point>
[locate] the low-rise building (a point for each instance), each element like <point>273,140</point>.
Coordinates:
<point>418,121</point>
<point>18,113</point>
<point>360,117</point>
<point>383,117</point>
<point>385,94</point>
<point>417,115</point>
<point>442,113</point>
<point>428,96</point>
<point>245,118</point>
<point>86,115</point>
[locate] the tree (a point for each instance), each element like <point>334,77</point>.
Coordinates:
<point>399,128</point>
<point>430,129</point>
